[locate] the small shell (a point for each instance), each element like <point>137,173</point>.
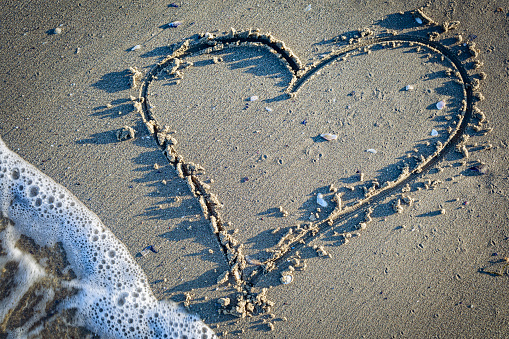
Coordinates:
<point>253,98</point>
<point>308,8</point>
<point>286,279</point>
<point>57,30</point>
<point>174,24</point>
<point>440,104</point>
<point>328,136</point>
<point>419,20</point>
<point>409,87</point>
<point>371,150</point>
<point>320,201</point>
<point>434,133</point>
<point>252,261</point>
<point>147,250</point>
<point>269,109</point>
<point>135,48</point>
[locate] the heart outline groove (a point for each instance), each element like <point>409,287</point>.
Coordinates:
<point>209,201</point>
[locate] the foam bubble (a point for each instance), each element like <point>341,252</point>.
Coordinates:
<point>100,287</point>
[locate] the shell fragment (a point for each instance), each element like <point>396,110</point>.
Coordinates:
<point>329,136</point>
<point>320,201</point>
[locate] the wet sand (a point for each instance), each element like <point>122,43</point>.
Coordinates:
<point>420,273</point>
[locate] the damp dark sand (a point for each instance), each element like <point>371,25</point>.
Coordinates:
<point>421,272</point>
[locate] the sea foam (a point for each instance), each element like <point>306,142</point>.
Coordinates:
<point>60,264</point>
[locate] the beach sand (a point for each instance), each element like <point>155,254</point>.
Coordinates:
<point>424,272</point>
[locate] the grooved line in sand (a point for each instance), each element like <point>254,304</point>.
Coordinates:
<point>210,203</point>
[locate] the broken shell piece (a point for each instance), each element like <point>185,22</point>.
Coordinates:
<point>174,24</point>
<point>147,250</point>
<point>252,261</point>
<point>57,30</point>
<point>371,150</point>
<point>409,87</point>
<point>418,20</point>
<point>329,136</point>
<point>434,133</point>
<point>286,278</point>
<point>320,201</point>
<point>253,98</point>
<point>135,48</point>
<point>440,104</point>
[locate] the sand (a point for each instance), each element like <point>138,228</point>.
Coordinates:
<point>420,273</point>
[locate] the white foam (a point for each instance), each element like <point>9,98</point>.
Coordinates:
<point>114,298</point>
<point>28,273</point>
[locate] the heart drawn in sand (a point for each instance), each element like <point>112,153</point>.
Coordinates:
<point>244,107</point>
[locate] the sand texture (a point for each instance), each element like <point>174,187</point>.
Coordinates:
<point>210,144</point>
